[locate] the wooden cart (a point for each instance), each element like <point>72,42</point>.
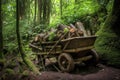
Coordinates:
<point>69,52</point>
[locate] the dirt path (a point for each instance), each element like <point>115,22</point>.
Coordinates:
<point>99,73</point>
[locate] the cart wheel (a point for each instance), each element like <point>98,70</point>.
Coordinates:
<point>65,62</point>
<point>94,60</point>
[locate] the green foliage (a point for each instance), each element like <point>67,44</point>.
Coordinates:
<point>52,35</point>
<point>73,12</point>
<point>9,23</point>
<point>109,6</point>
<point>83,10</point>
<point>107,44</point>
<point>66,30</point>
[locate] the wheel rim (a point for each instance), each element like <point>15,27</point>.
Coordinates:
<point>65,62</point>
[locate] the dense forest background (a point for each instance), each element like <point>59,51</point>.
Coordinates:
<point>36,16</point>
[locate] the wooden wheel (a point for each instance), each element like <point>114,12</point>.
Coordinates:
<point>95,58</point>
<point>65,62</point>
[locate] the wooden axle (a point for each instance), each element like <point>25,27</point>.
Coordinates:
<point>79,60</point>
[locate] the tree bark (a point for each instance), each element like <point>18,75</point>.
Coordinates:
<point>1,38</point>
<point>107,44</point>
<point>61,8</point>
<point>44,7</point>
<point>40,3</point>
<point>44,11</point>
<point>24,57</point>
<point>34,21</point>
<point>48,11</point>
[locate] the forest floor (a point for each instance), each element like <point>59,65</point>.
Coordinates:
<point>100,72</point>
<point>81,72</point>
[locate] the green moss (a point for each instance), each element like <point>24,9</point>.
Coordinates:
<point>9,71</point>
<point>107,45</point>
<point>25,73</point>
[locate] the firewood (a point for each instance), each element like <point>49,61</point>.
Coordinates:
<point>77,32</point>
<point>38,38</point>
<point>55,34</point>
<point>61,27</point>
<point>80,26</point>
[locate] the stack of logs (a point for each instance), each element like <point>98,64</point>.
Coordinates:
<point>76,30</point>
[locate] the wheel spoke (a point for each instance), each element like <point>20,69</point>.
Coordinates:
<point>65,62</point>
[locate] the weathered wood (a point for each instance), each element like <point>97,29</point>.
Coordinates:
<point>33,46</point>
<point>88,32</point>
<point>61,27</point>
<point>39,37</point>
<point>55,66</point>
<point>80,26</point>
<point>78,49</point>
<point>64,59</point>
<point>57,43</point>
<point>79,60</point>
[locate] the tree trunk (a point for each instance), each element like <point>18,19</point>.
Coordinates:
<point>48,11</point>
<point>34,21</point>
<point>22,8</point>
<point>1,38</point>
<point>108,41</point>
<point>40,3</point>
<point>24,57</point>
<point>44,9</point>
<point>61,8</point>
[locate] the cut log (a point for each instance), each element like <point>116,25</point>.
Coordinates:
<point>55,34</point>
<point>88,32</point>
<point>39,37</point>
<point>76,31</point>
<point>80,26</point>
<point>61,27</point>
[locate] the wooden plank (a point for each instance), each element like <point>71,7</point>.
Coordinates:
<point>49,47</point>
<point>45,53</point>
<point>78,49</point>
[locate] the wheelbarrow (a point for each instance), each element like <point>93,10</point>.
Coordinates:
<point>69,52</point>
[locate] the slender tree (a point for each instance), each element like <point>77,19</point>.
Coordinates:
<point>34,21</point>
<point>22,8</point>
<point>48,11</point>
<point>44,9</point>
<point>40,5</point>
<point>1,37</point>
<point>24,57</point>
<point>108,42</point>
<point>61,8</point>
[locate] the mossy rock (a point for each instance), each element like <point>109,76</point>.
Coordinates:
<point>107,45</point>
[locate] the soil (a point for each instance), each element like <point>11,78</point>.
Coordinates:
<point>99,72</point>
